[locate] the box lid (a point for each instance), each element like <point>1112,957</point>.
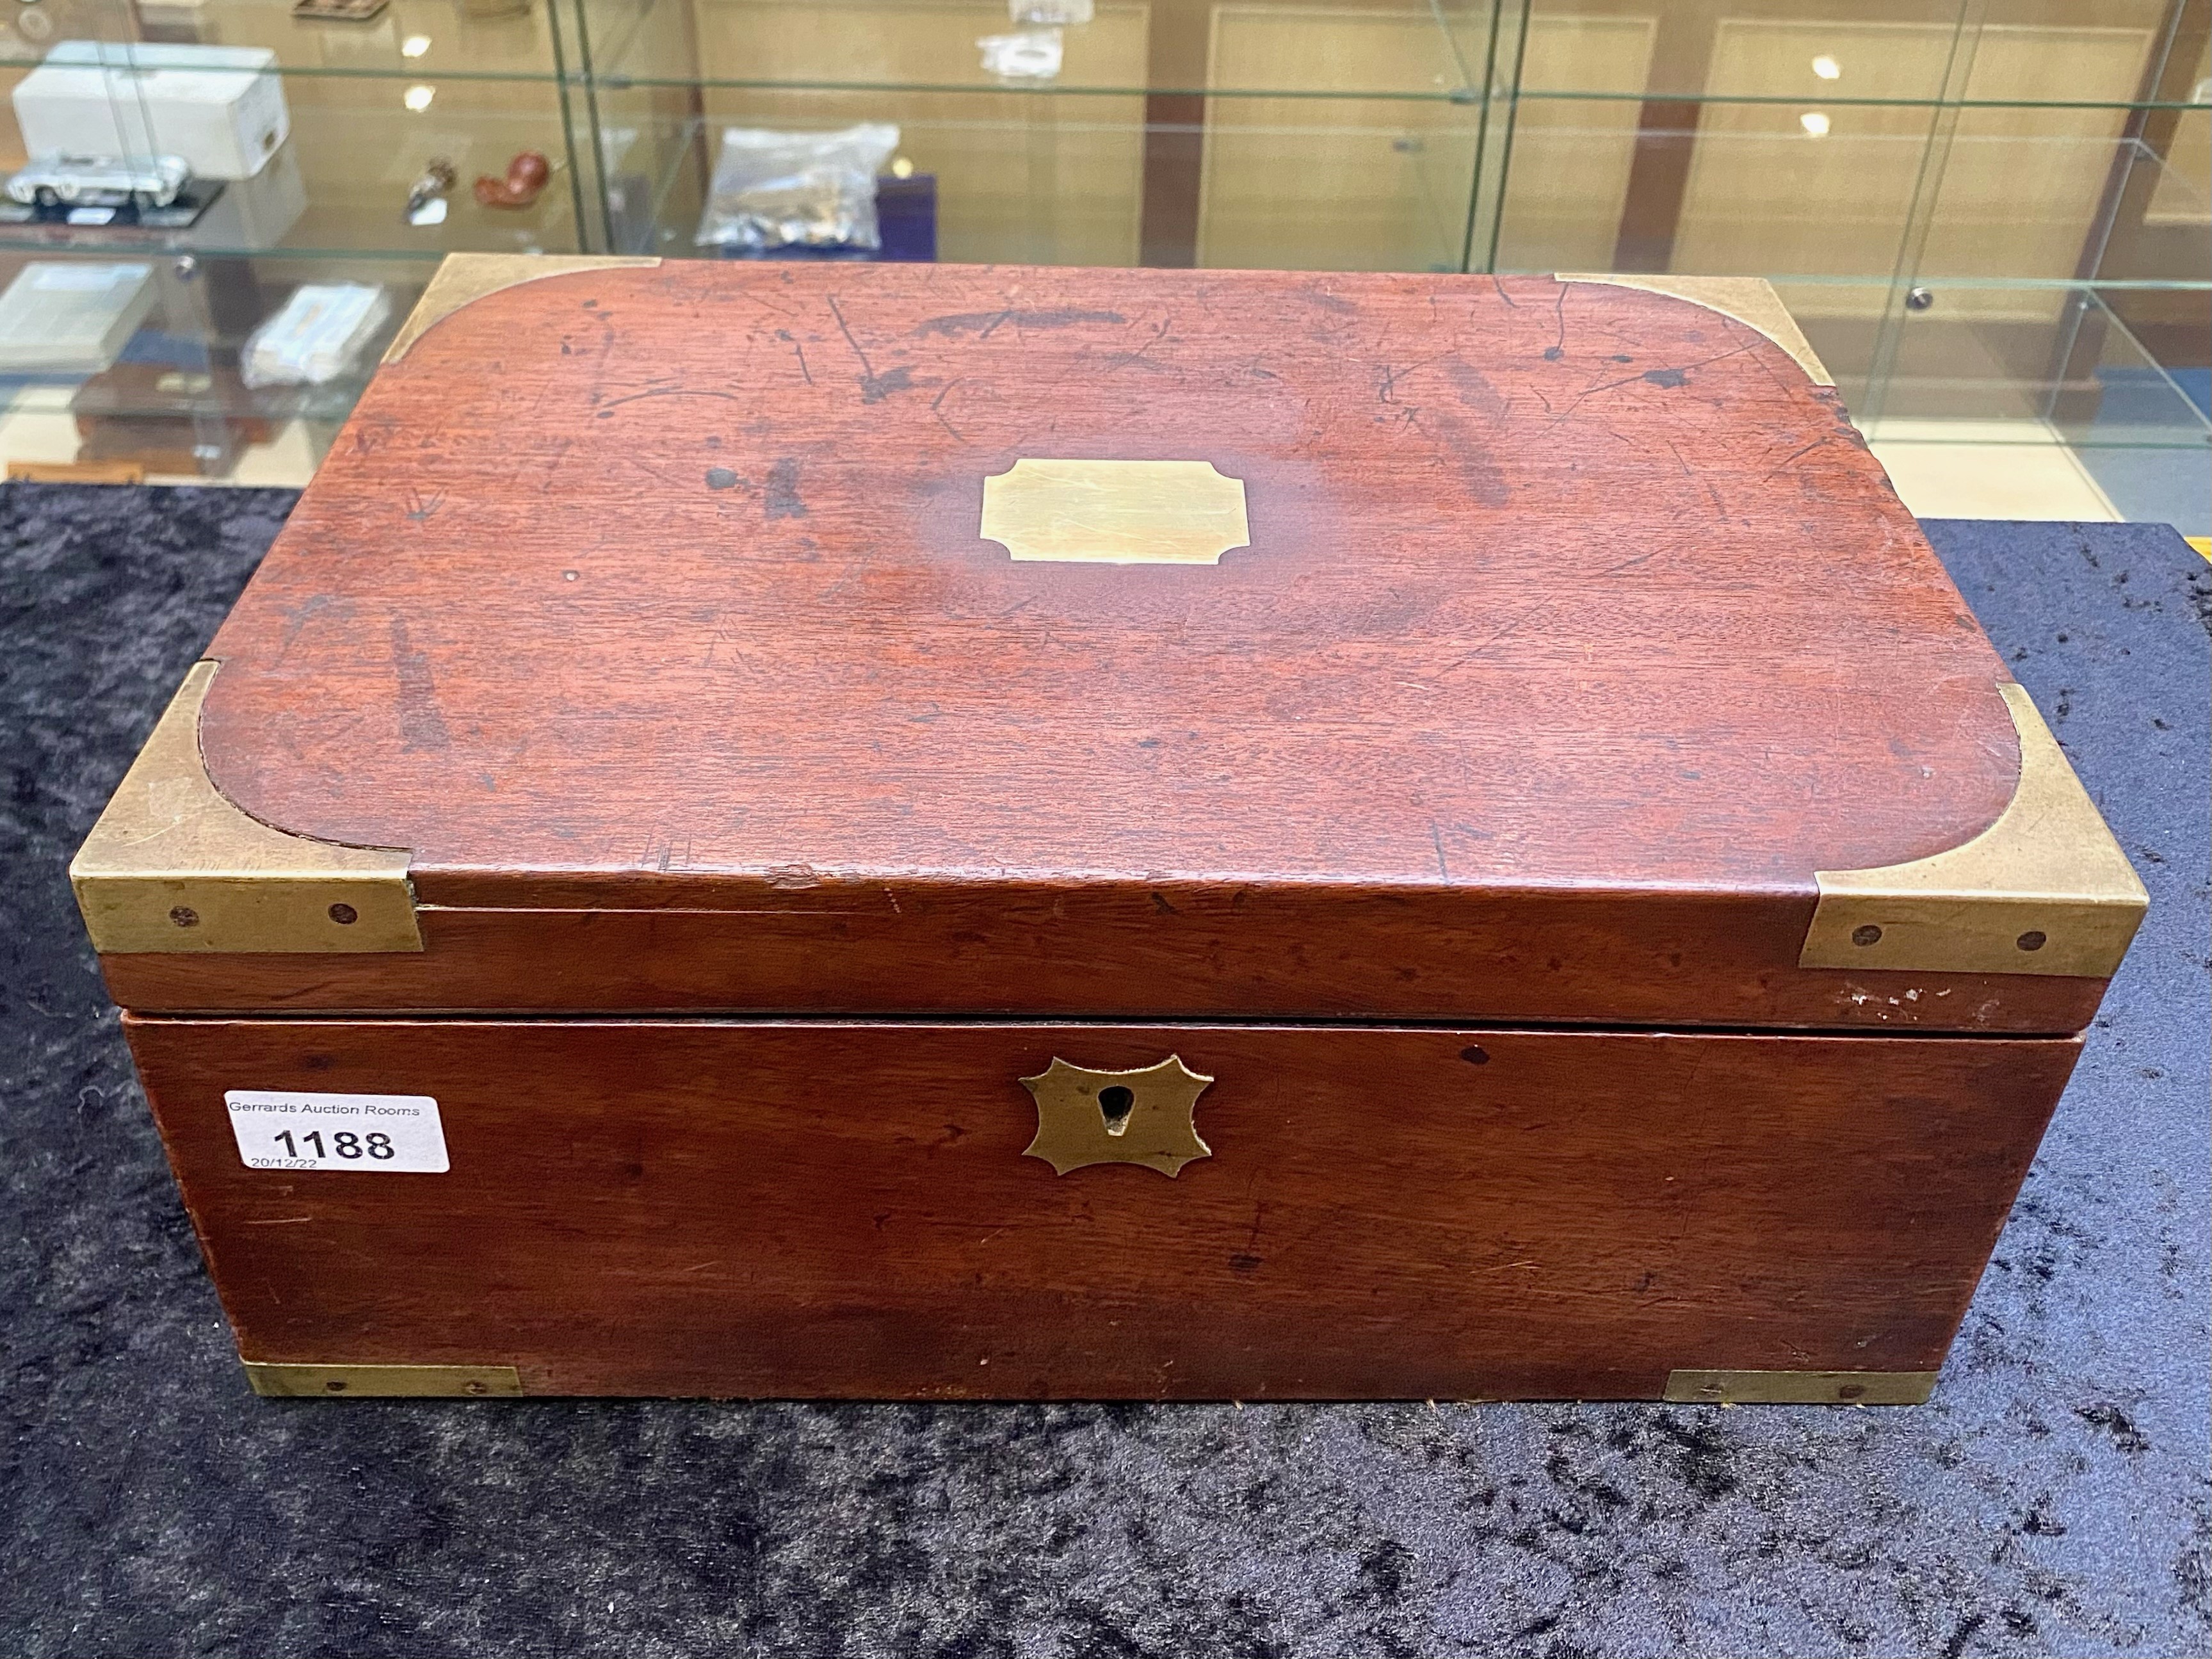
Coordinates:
<point>124,58</point>
<point>129,74</point>
<point>1145,642</point>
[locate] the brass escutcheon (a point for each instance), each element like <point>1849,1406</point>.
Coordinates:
<point>1089,1117</point>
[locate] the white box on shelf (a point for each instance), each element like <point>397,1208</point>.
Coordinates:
<point>220,107</point>
<point>70,317</point>
<point>254,212</point>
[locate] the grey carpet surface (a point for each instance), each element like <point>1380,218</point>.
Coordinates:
<point>2053,1499</point>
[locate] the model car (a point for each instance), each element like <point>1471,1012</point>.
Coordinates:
<point>99,180</point>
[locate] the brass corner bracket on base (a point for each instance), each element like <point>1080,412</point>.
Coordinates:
<point>463,278</point>
<point>173,865</point>
<point>383,1381</point>
<point>1750,301</point>
<point>1687,1388</point>
<point>2044,889</point>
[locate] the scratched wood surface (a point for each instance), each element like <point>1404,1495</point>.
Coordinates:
<point>844,1209</point>
<point>662,590</point>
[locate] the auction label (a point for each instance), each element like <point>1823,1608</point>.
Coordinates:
<point>278,1129</point>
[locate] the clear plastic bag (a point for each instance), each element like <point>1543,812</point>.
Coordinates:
<point>776,190</point>
<point>323,330</point>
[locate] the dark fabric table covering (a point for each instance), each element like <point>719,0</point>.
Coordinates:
<point>2053,1499</point>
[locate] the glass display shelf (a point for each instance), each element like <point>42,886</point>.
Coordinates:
<point>2020,400</point>
<point>341,180</point>
<point>1993,217</point>
<point>240,126</point>
<point>218,211</point>
<point>1903,52</point>
<point>487,39</point>
<point>1160,48</point>
<point>1067,181</point>
<point>2056,354</point>
<point>1994,202</point>
<point>165,366</point>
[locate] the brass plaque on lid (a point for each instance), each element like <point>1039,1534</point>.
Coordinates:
<point>1074,511</point>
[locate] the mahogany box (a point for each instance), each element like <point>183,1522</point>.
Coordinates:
<point>928,832</point>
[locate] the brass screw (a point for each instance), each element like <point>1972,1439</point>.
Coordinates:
<point>2032,940</point>
<point>344,914</point>
<point>336,1385</point>
<point>184,916</point>
<point>473,1387</point>
<point>1868,934</point>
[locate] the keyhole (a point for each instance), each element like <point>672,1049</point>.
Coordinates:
<point>1115,1101</point>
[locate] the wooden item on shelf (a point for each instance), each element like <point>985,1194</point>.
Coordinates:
<point>186,420</point>
<point>339,11</point>
<point>948,833</point>
<point>180,449</point>
<point>99,472</point>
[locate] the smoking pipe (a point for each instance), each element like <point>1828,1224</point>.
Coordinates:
<point>525,177</point>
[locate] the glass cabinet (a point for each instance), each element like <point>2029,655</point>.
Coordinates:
<point>1993,217</point>
<point>217,212</point>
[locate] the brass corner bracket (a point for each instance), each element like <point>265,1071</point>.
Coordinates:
<point>2044,889</point>
<point>1750,301</point>
<point>173,865</point>
<point>463,278</point>
<point>1079,512</point>
<point>383,1381</point>
<point>1086,1117</point>
<point>1694,1388</point>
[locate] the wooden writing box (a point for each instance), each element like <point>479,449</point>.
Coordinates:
<point>931,832</point>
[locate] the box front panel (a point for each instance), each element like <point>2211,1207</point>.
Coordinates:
<point>822,1208</point>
